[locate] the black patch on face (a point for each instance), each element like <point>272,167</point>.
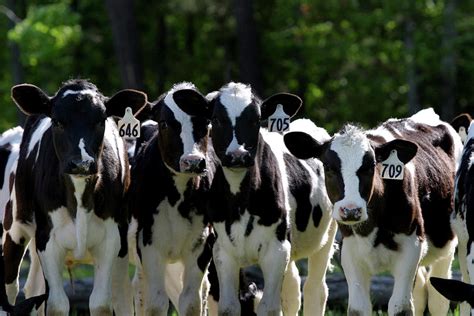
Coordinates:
<point>366,175</point>
<point>5,151</point>
<point>317,215</point>
<point>247,128</point>
<point>222,130</point>
<point>300,187</point>
<point>169,139</point>
<point>333,176</point>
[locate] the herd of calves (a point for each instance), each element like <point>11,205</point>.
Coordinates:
<point>210,184</point>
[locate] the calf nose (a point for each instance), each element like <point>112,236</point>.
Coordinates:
<point>193,164</point>
<point>81,167</point>
<point>350,213</point>
<point>239,158</point>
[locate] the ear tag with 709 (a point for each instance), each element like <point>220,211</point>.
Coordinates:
<point>392,167</point>
<point>279,121</point>
<point>129,126</point>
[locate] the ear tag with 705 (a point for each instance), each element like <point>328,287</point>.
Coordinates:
<point>129,126</point>
<point>392,167</point>
<point>279,121</point>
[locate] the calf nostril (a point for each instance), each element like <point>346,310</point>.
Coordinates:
<point>202,164</point>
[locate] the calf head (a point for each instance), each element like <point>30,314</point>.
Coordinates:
<point>183,119</point>
<point>349,160</point>
<point>236,119</point>
<point>78,114</point>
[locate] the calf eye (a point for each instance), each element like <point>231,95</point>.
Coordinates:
<point>163,125</point>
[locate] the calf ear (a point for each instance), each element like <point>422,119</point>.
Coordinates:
<point>291,104</point>
<point>462,120</point>
<point>303,146</point>
<point>117,104</point>
<point>31,100</point>
<point>406,150</point>
<point>454,290</point>
<point>192,102</point>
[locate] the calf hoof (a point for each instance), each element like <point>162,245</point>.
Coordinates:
<point>56,312</point>
<point>404,313</point>
<point>353,312</point>
<point>101,311</point>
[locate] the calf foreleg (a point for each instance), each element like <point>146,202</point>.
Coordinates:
<point>315,288</point>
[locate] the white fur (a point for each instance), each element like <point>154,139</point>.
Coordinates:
<point>90,92</point>
<point>82,217</point>
<point>13,137</point>
<point>189,147</point>
<point>116,142</point>
<point>84,154</point>
<point>43,126</point>
<point>350,148</point>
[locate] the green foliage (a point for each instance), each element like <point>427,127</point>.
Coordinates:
<point>48,36</point>
<point>347,59</point>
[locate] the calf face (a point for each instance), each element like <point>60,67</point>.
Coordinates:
<point>183,119</point>
<point>236,118</point>
<point>349,160</point>
<point>78,113</point>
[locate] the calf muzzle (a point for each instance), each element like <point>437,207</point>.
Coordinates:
<point>81,167</point>
<point>195,164</point>
<point>350,214</point>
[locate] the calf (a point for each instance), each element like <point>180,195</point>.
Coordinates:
<point>71,178</point>
<point>266,206</point>
<point>171,176</point>
<point>462,219</point>
<point>395,225</point>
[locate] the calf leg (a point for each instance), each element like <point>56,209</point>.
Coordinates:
<point>273,263</point>
<point>190,299</point>
<point>358,279</point>
<point>437,303</point>
<point>155,299</point>
<point>228,276</point>
<point>14,242</point>
<point>291,293</point>
<point>104,254</point>
<point>52,262</point>
<point>404,272</point>
<point>121,286</point>
<point>315,288</point>
<point>34,285</point>
<point>419,291</point>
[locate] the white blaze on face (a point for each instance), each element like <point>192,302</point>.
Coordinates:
<point>235,97</point>
<point>90,92</point>
<point>189,145</point>
<point>84,154</point>
<point>351,148</point>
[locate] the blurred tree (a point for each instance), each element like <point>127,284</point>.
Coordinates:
<point>127,42</point>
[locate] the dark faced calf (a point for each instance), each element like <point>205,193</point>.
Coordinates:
<point>170,179</point>
<point>261,198</point>
<point>71,179</point>
<point>387,224</point>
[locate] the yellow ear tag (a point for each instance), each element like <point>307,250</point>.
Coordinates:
<point>128,125</point>
<point>462,133</point>
<point>392,167</point>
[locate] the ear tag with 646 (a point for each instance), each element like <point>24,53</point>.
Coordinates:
<point>129,126</point>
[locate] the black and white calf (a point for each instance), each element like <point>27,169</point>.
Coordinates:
<point>71,179</point>
<point>387,224</point>
<point>462,219</point>
<point>171,178</point>
<point>266,206</point>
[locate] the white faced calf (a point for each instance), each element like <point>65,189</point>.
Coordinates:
<point>171,177</point>
<point>266,206</point>
<point>388,224</point>
<point>71,178</point>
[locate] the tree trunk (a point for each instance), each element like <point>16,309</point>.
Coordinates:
<point>126,41</point>
<point>448,62</point>
<point>16,66</point>
<point>247,41</point>
<point>161,47</point>
<point>413,105</point>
